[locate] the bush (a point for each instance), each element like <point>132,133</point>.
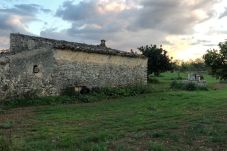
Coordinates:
<point>113,92</point>
<point>6,125</point>
<point>223,81</point>
<point>4,145</point>
<point>152,79</point>
<point>71,96</point>
<point>189,86</point>
<point>124,91</point>
<point>176,85</point>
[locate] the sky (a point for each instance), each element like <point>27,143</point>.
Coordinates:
<point>185,28</point>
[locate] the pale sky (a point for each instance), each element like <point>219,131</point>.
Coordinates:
<point>185,28</point>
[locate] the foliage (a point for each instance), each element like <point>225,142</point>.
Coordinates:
<point>4,144</point>
<point>158,60</point>
<point>152,79</point>
<point>111,92</point>
<point>189,86</point>
<point>216,60</point>
<point>156,147</point>
<point>123,91</point>
<point>6,125</point>
<point>71,96</point>
<point>191,65</point>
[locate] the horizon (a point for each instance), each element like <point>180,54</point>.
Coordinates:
<point>186,29</point>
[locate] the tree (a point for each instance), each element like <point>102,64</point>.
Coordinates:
<point>196,65</point>
<point>158,61</point>
<point>216,60</point>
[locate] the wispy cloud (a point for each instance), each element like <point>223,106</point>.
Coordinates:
<point>16,19</point>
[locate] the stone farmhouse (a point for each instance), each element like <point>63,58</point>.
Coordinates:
<point>46,67</point>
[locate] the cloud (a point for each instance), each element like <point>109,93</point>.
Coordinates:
<point>16,19</point>
<point>173,16</point>
<point>202,42</point>
<point>53,33</point>
<point>24,9</point>
<point>224,14</point>
<point>93,19</point>
<point>76,12</point>
<point>130,23</point>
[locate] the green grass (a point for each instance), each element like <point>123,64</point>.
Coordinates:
<point>6,125</point>
<point>72,97</point>
<point>162,120</point>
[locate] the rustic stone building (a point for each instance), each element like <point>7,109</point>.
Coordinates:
<point>44,67</point>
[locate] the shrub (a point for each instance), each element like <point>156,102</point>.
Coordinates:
<point>4,145</point>
<point>2,111</point>
<point>152,79</point>
<point>176,85</point>
<point>6,125</point>
<point>71,96</point>
<point>112,92</point>
<point>189,86</point>
<point>223,81</point>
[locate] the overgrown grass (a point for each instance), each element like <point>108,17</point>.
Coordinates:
<point>6,125</point>
<point>4,144</point>
<point>189,86</point>
<point>70,96</point>
<point>153,79</point>
<point>164,120</point>
<point>51,100</point>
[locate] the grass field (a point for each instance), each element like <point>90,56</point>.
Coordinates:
<point>163,120</point>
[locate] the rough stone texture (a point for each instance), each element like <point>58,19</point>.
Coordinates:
<point>61,65</point>
<point>97,70</point>
<point>19,42</point>
<point>18,79</point>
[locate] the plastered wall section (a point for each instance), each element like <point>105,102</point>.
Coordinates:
<point>98,70</point>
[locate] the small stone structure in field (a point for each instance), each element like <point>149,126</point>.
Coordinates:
<point>197,79</point>
<point>46,67</point>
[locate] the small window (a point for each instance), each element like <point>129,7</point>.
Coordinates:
<point>35,69</point>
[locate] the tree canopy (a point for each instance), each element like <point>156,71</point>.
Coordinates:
<point>190,66</point>
<point>216,60</point>
<point>158,60</point>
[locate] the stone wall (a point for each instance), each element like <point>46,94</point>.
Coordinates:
<point>4,76</point>
<point>36,68</point>
<point>18,78</point>
<point>98,70</point>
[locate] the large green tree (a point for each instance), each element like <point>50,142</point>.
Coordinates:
<point>216,60</point>
<point>158,60</point>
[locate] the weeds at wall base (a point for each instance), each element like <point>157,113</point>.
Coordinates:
<point>70,97</point>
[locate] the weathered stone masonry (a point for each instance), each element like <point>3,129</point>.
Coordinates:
<point>44,67</point>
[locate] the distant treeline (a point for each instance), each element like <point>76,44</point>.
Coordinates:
<point>191,65</point>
